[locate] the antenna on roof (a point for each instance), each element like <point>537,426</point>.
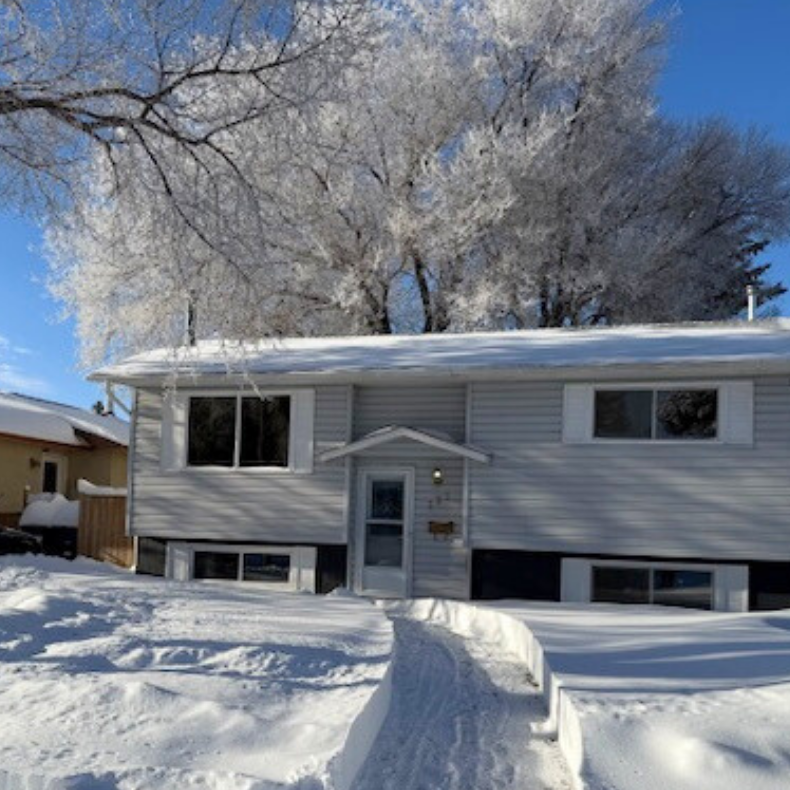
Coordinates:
<point>751,301</point>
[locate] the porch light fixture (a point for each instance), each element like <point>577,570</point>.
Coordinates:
<point>437,476</point>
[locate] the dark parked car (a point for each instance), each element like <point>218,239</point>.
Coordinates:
<point>14,541</point>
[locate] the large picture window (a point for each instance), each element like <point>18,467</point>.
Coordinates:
<point>656,414</point>
<point>239,431</point>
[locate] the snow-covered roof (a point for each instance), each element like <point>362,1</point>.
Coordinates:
<point>687,344</point>
<point>33,418</point>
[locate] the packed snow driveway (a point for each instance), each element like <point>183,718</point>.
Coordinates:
<point>459,719</point>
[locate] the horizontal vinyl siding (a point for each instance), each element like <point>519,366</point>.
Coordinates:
<point>428,407</point>
<point>708,501</point>
<point>439,566</point>
<point>244,504</point>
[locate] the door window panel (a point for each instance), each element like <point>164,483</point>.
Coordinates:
<point>384,545</point>
<point>386,499</point>
<point>384,524</point>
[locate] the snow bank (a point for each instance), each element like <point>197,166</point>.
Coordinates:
<point>647,698</point>
<point>50,510</point>
<point>109,680</point>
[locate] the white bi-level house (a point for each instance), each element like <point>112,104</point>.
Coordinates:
<point>636,464</point>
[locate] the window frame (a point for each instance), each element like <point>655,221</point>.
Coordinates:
<point>236,467</point>
<point>654,388</point>
<point>651,567</point>
<point>301,571</point>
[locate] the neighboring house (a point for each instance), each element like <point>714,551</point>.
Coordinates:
<point>634,464</point>
<point>46,447</point>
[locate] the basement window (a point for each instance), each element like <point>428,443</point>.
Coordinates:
<point>276,567</point>
<point>216,565</point>
<point>685,587</point>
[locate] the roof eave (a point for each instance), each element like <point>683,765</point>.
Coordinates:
<point>569,372</point>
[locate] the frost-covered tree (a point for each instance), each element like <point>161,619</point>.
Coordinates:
<point>486,164</point>
<point>77,76</point>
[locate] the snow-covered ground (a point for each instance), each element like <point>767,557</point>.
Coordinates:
<point>113,682</point>
<point>650,698</point>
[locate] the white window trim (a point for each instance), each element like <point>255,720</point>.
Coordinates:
<point>729,582</point>
<point>175,431</point>
<point>180,564</point>
<point>732,395</point>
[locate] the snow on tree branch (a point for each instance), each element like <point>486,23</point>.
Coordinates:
<point>496,163</point>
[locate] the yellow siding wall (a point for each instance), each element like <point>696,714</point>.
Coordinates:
<point>102,467</point>
<point>16,472</point>
<point>20,466</point>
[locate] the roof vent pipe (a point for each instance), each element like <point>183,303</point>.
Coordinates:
<point>191,321</point>
<point>751,301</point>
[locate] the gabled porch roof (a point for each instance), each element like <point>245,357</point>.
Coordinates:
<point>392,433</point>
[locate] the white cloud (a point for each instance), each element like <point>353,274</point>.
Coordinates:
<point>11,376</point>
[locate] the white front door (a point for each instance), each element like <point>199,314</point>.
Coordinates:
<point>384,533</point>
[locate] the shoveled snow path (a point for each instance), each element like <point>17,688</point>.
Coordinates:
<point>460,720</point>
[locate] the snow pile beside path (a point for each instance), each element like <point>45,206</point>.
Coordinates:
<point>108,680</point>
<point>650,698</point>
<point>50,510</point>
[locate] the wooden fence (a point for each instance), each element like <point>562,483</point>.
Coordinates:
<point>102,530</point>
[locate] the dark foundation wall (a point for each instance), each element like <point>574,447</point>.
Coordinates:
<point>330,562</point>
<point>769,585</point>
<point>151,556</point>
<point>498,574</point>
<point>330,568</point>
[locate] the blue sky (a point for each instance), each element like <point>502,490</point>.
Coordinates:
<point>729,58</point>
